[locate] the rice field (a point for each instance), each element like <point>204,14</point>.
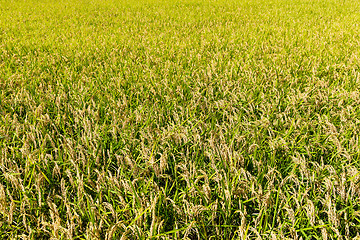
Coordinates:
<point>179,119</point>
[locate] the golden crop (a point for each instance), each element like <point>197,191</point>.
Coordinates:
<point>179,119</point>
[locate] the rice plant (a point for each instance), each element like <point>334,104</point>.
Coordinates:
<point>179,119</point>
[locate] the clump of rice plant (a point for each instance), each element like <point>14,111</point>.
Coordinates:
<point>179,119</point>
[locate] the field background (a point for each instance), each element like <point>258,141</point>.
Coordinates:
<point>179,119</point>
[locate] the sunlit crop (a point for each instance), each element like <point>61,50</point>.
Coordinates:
<point>197,119</point>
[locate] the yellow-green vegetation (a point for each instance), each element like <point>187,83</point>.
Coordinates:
<point>179,119</point>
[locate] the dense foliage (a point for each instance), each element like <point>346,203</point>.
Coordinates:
<point>179,119</point>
